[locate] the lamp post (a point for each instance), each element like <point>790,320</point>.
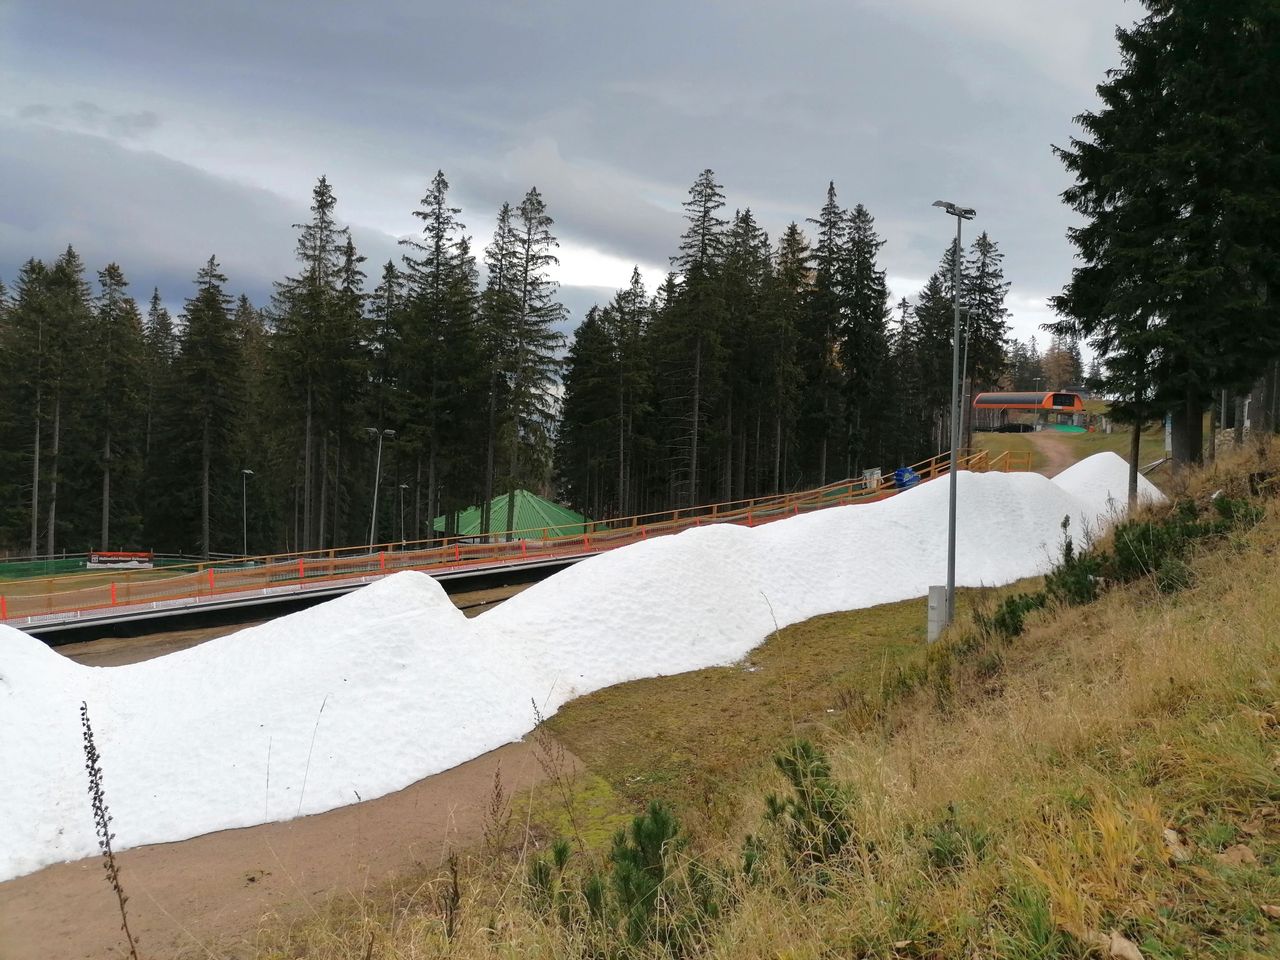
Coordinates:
<point>244,510</point>
<point>377,478</point>
<point>961,214</point>
<point>403,488</point>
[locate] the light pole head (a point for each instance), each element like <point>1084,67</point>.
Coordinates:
<point>390,434</point>
<point>964,213</point>
<point>247,473</point>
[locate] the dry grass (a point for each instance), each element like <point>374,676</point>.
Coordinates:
<point>1014,802</point>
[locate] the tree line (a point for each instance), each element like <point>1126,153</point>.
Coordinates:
<point>754,368</point>
<point>761,367</point>
<point>120,428</point>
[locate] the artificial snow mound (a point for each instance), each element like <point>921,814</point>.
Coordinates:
<point>365,694</point>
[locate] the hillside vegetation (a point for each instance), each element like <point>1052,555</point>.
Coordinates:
<point>1088,765</point>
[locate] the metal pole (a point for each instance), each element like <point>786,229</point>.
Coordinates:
<point>377,476</point>
<point>955,436</point>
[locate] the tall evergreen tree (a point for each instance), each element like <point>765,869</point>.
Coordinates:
<point>1173,176</point>
<point>694,357</point>
<point>208,392</point>
<point>533,359</point>
<point>121,372</point>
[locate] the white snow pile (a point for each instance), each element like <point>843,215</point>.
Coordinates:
<point>368,693</point>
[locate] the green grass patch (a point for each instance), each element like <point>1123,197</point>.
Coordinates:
<point>693,740</point>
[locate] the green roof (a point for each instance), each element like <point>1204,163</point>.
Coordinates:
<point>535,518</point>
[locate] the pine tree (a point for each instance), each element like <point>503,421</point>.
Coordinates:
<point>532,361</point>
<point>498,306</point>
<point>24,363</point>
<point>209,389</point>
<point>985,328</point>
<point>864,340</point>
<point>439,320</point>
<point>823,414</point>
<point>121,363</point>
<point>69,315</point>
<point>1173,176</point>
<point>780,345</point>
<point>694,321</point>
<point>311,325</point>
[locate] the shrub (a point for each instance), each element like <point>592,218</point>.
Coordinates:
<point>1010,615</point>
<point>1074,580</point>
<point>814,820</point>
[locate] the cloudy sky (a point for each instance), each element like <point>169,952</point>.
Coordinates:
<point>153,132</point>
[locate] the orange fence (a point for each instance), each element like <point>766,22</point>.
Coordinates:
<point>275,575</point>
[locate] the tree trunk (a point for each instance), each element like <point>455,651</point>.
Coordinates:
<point>323,511</point>
<point>1135,448</point>
<point>622,451</point>
<point>777,453</point>
<point>106,492</point>
<point>305,544</point>
<point>338,539</point>
<point>431,484</point>
<point>51,529</point>
<point>822,464</point>
<point>417,503</point>
<point>1211,451</point>
<point>491,442</point>
<point>727,493</point>
<point>1237,438</point>
<point>511,491</point>
<point>1188,430</point>
<point>697,416</point>
<point>35,484</point>
<point>204,490</point>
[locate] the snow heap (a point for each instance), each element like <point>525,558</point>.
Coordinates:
<point>365,694</point>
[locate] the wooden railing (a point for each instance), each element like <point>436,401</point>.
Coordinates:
<point>36,600</point>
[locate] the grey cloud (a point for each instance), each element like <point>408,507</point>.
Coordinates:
<point>89,117</point>
<point>611,111</point>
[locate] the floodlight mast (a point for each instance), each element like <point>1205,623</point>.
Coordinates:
<point>961,214</point>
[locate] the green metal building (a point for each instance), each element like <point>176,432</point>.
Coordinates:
<point>536,518</point>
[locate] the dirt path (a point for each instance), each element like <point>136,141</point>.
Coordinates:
<point>203,897</point>
<point>1055,448</point>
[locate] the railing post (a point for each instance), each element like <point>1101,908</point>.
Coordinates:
<point>210,572</point>
<point>382,560</point>
<point>113,593</point>
<point>4,608</point>
<point>302,570</point>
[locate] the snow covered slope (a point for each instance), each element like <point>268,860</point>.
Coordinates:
<point>363,695</point>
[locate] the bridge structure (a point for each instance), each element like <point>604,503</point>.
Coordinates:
<point>47,605</point>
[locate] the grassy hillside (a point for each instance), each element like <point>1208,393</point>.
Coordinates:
<point>1104,781</point>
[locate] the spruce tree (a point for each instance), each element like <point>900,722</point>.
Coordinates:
<point>864,340</point>
<point>533,362</point>
<point>693,349</point>
<point>1173,176</point>
<point>119,385</point>
<point>205,406</point>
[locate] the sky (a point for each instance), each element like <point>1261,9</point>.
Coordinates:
<point>154,133</point>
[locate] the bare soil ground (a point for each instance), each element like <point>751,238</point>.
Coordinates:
<point>202,897</point>
<point>1055,449</point>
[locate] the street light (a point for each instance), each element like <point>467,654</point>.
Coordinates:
<point>403,488</point>
<point>244,510</point>
<point>961,214</point>
<point>377,477</point>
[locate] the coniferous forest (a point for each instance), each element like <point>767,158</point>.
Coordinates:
<point>757,366</point>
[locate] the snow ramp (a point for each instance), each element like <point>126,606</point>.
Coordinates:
<point>365,694</point>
